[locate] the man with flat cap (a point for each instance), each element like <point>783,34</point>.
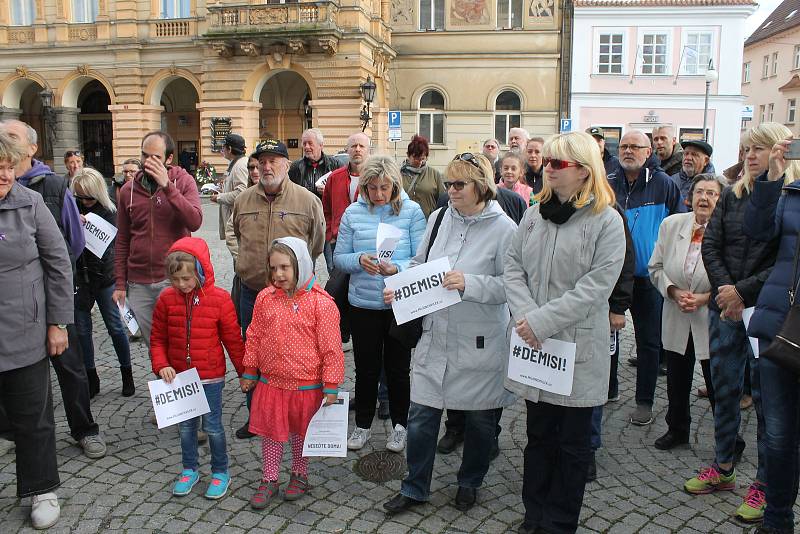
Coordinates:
<point>696,160</point>
<point>275,207</point>
<point>610,161</point>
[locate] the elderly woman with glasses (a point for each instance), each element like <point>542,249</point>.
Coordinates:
<point>381,199</point>
<point>460,359</point>
<point>560,269</point>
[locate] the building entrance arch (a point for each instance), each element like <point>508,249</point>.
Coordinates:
<point>285,110</point>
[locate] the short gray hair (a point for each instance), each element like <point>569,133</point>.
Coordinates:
<point>523,130</point>
<point>33,137</point>
<point>316,133</point>
<point>491,139</point>
<point>665,127</point>
<point>707,177</point>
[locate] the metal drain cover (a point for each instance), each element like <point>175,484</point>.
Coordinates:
<point>381,466</point>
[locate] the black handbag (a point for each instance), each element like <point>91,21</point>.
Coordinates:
<point>408,334</point>
<point>785,348</point>
<point>337,287</point>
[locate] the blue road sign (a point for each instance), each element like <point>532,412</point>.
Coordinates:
<point>566,126</point>
<point>394,120</point>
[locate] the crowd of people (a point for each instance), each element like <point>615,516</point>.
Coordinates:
<point>555,239</point>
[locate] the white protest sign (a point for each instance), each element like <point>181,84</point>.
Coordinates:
<point>747,314</point>
<point>179,401</point>
<point>127,317</point>
<point>550,369</point>
<point>323,181</point>
<point>326,434</point>
<point>99,233</point>
<point>419,291</point>
<point>386,241</point>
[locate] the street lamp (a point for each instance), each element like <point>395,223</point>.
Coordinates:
<point>368,95</point>
<point>711,77</point>
<point>48,118</point>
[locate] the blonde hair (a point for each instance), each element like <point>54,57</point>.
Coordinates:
<point>93,184</point>
<point>581,148</point>
<point>483,176</point>
<point>382,167</point>
<point>286,250</point>
<point>178,261</point>
<point>11,149</point>
<point>765,134</point>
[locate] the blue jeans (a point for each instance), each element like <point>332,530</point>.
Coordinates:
<point>730,351</point>
<point>613,390</point>
<point>212,425</point>
<point>114,326</point>
<point>781,401</point>
<point>646,314</point>
<point>423,431</point>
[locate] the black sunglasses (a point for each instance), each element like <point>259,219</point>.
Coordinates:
<point>469,157</point>
<point>70,153</point>
<point>458,185</point>
<point>83,197</point>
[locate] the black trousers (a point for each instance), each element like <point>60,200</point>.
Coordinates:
<point>456,420</point>
<point>373,348</point>
<point>27,405</point>
<point>556,461</point>
<point>71,374</point>
<point>680,372</point>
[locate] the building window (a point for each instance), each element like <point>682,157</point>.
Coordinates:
<point>22,12</point>
<point>175,9</point>
<point>770,112</point>
<point>612,137</point>
<point>509,14</point>
<point>431,14</point>
<point>697,51</point>
<point>654,53</point>
<point>84,10</point>
<point>765,68</point>
<point>774,63</point>
<point>609,57</point>
<point>431,116</point>
<point>507,107</point>
<point>796,62</point>
<point>693,134</point>
<point>762,113</point>
<point>746,73</point>
<point>791,110</point>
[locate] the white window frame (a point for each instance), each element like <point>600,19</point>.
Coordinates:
<point>176,5</point>
<point>596,48</point>
<point>667,52</point>
<point>702,62</point>
<point>796,62</point>
<point>432,112</point>
<point>90,9</point>
<point>26,9</point>
<point>774,63</point>
<point>746,72</point>
<point>762,113</point>
<point>791,111</point>
<point>765,68</point>
<point>770,112</point>
<point>509,23</point>
<point>506,114</point>
<point>432,22</point>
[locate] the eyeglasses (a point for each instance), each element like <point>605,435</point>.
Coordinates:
<point>469,157</point>
<point>705,192</point>
<point>458,185</point>
<point>632,148</point>
<point>558,164</point>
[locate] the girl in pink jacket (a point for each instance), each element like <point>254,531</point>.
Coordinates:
<point>295,345</point>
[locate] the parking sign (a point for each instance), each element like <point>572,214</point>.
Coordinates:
<point>565,126</point>
<point>394,120</point>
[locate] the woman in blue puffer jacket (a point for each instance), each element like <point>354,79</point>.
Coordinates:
<point>381,199</point>
<point>773,211</point>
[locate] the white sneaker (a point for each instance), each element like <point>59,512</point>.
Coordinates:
<point>45,511</point>
<point>397,439</point>
<point>358,438</point>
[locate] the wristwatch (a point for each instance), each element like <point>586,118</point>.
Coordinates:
<point>61,326</point>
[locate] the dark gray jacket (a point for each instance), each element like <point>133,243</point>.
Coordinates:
<point>673,164</point>
<point>303,173</point>
<point>35,277</point>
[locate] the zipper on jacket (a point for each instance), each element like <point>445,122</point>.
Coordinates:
<point>189,309</point>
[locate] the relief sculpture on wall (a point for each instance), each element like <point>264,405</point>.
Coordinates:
<point>469,12</point>
<point>540,9</point>
<point>402,11</point>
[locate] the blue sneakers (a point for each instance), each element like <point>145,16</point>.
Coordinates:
<point>186,481</point>
<point>219,485</point>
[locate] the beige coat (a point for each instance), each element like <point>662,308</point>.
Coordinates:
<point>666,269</point>
<point>235,182</point>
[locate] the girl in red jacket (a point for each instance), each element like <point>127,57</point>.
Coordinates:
<point>191,322</point>
<point>295,344</point>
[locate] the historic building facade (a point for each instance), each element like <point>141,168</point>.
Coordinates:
<point>96,75</point>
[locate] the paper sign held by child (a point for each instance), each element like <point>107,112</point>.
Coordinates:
<point>326,434</point>
<point>179,401</point>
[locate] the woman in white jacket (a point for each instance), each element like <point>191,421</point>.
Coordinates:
<point>560,270</point>
<point>460,359</point>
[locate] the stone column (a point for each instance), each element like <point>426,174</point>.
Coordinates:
<point>130,122</point>
<point>338,118</point>
<point>67,136</point>
<point>9,113</point>
<point>244,121</point>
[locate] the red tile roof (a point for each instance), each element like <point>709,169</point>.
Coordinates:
<point>777,22</point>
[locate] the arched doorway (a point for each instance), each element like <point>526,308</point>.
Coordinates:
<point>181,120</point>
<point>285,113</point>
<point>30,103</point>
<point>95,128</point>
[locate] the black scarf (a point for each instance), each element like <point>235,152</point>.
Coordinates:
<point>556,212</point>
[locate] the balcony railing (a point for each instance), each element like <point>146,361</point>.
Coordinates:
<point>259,18</point>
<point>173,29</point>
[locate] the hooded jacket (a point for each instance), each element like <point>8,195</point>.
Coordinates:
<point>148,225</point>
<point>203,319</point>
<point>773,212</point>
<point>684,182</point>
<point>294,341</point>
<point>672,164</point>
<point>647,202</point>
<point>357,233</point>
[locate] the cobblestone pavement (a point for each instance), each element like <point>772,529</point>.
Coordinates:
<point>639,488</point>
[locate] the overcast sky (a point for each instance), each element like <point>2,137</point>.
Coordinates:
<point>765,7</point>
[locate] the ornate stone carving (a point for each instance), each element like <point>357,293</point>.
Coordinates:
<point>20,36</point>
<point>83,33</point>
<point>250,48</point>
<point>469,12</point>
<point>22,71</point>
<point>297,46</point>
<point>380,62</point>
<point>173,69</point>
<point>83,70</point>
<point>329,45</point>
<point>223,49</point>
<point>269,15</point>
<point>402,12</point>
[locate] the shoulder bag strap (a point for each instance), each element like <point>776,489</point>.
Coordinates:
<point>438,222</point>
<point>793,283</point>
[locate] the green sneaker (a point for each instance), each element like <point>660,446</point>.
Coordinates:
<point>709,480</point>
<point>752,509</point>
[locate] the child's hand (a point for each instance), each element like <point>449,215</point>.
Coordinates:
<point>330,398</point>
<point>246,384</point>
<point>167,374</point>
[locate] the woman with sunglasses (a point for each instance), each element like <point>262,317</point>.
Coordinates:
<point>561,267</point>
<point>459,362</point>
<point>94,280</point>
<point>73,161</point>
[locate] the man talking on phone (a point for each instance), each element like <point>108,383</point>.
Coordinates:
<point>158,207</point>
